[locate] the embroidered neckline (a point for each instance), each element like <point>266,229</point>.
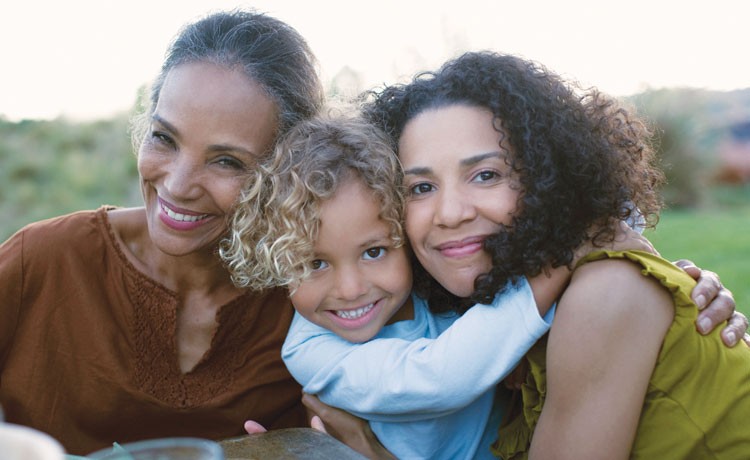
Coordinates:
<point>153,329</point>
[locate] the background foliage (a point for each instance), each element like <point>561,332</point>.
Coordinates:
<point>48,168</point>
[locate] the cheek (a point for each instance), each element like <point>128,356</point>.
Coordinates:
<point>401,274</point>
<point>500,209</point>
<point>305,300</point>
<point>416,222</point>
<point>142,164</point>
<point>147,163</point>
<point>230,193</point>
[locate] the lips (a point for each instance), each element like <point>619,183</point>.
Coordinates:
<point>180,219</point>
<point>462,248</point>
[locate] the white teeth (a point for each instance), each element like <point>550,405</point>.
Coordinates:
<point>354,314</point>
<point>182,217</point>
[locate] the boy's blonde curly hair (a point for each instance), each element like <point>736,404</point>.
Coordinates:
<point>276,222</point>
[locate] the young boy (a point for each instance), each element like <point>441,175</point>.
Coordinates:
<point>323,217</point>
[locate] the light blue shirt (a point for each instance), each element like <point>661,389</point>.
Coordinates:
<point>426,385</point>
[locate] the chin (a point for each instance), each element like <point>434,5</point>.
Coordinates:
<point>457,290</point>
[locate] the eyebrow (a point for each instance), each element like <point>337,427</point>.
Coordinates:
<point>470,161</point>
<point>378,240</point>
<point>155,117</point>
<point>213,147</point>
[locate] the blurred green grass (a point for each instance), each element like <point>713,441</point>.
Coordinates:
<point>715,239</point>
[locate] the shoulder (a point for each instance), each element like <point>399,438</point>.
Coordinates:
<point>610,302</point>
<point>601,352</point>
<point>614,287</point>
<point>56,248</point>
<point>60,232</point>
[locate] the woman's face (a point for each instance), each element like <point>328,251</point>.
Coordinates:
<point>208,128</point>
<point>460,190</point>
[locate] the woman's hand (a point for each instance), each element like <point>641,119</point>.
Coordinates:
<point>352,431</point>
<point>712,298</point>
<point>716,304</point>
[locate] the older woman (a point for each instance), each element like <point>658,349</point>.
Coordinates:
<point>122,324</point>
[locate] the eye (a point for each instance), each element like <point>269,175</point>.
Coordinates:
<point>318,264</point>
<point>374,253</point>
<point>231,162</point>
<point>160,137</point>
<point>420,188</point>
<point>486,176</point>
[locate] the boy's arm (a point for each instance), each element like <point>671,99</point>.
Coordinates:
<point>548,286</point>
<point>397,379</point>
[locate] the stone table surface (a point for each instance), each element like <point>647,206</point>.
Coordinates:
<point>288,444</point>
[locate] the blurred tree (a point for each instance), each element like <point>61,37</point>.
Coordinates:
<point>684,142</point>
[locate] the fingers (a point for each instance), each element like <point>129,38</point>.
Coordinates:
<point>313,403</point>
<point>689,267</point>
<point>746,339</point>
<point>317,424</point>
<point>709,290</point>
<point>717,305</point>
<point>735,330</point>
<point>628,239</point>
<point>314,406</point>
<point>253,427</point>
<point>721,309</point>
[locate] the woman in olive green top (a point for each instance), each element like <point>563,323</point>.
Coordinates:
<point>501,154</point>
<point>697,392</point>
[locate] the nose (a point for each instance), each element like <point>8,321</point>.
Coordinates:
<point>453,208</point>
<point>182,179</point>
<point>351,283</point>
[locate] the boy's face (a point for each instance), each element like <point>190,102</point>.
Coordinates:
<point>360,280</point>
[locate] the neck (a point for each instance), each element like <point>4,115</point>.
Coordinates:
<point>200,271</point>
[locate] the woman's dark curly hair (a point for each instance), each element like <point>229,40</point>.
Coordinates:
<point>583,161</point>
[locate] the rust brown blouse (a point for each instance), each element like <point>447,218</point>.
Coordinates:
<point>88,350</point>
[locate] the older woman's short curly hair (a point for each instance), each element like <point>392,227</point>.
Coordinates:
<point>582,159</point>
<point>276,222</point>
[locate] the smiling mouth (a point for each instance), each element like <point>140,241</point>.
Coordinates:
<point>179,217</point>
<point>354,313</point>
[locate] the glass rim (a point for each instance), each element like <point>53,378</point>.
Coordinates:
<point>200,444</point>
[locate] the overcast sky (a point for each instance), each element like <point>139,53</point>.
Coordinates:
<point>87,58</point>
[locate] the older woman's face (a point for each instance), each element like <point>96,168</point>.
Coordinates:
<point>208,128</point>
<point>460,190</point>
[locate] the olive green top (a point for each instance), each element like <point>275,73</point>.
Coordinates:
<point>698,399</point>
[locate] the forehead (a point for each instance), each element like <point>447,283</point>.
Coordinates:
<point>205,97</point>
<point>352,213</point>
<point>455,130</point>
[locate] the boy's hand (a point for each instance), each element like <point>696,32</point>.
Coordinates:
<point>626,239</point>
